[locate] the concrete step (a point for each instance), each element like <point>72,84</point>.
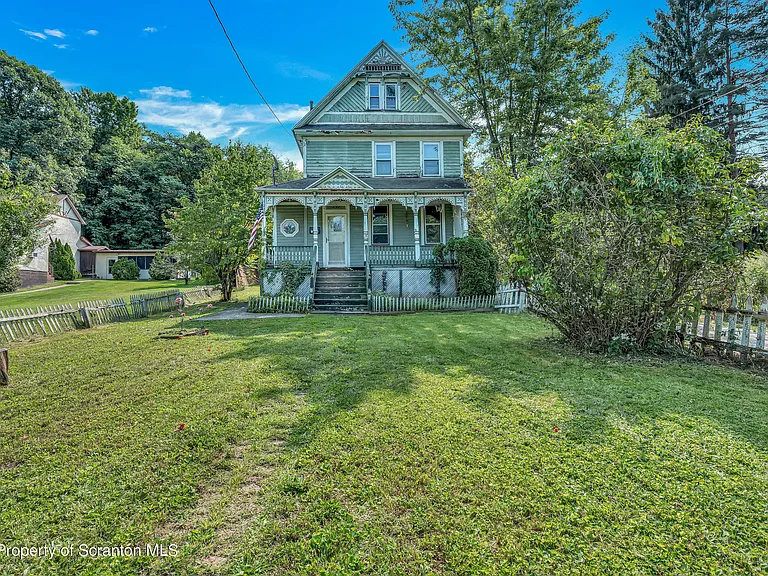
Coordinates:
<point>341,274</point>
<point>332,308</point>
<point>344,302</point>
<point>325,294</point>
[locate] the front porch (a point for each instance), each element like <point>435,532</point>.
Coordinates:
<point>361,231</point>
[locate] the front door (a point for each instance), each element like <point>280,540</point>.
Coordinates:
<point>336,240</point>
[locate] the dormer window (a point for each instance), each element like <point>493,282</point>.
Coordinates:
<point>385,101</point>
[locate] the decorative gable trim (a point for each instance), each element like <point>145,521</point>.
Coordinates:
<point>383,55</point>
<point>339,179</point>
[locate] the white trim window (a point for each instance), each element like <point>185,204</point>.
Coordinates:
<point>431,159</point>
<point>380,225</point>
<point>374,96</point>
<point>386,100</point>
<point>433,223</point>
<point>390,96</point>
<point>383,154</point>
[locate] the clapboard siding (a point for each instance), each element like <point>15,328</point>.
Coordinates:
<point>448,216</point>
<point>294,211</point>
<point>402,225</point>
<point>412,101</point>
<point>452,159</point>
<point>325,155</point>
<point>356,257</point>
<point>408,158</point>
<point>353,100</point>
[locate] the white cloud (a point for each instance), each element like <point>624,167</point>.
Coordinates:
<point>150,29</point>
<point>165,92</point>
<point>170,108</point>
<point>91,32</point>
<point>33,34</point>
<point>296,70</point>
<point>61,46</point>
<point>55,33</point>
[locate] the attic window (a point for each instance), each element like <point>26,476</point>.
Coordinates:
<point>388,100</point>
<point>382,67</point>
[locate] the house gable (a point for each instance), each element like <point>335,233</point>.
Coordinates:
<point>347,103</point>
<point>339,179</point>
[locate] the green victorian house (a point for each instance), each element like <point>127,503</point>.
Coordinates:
<point>383,184</point>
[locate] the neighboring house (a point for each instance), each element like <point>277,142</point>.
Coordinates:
<point>97,261</point>
<point>66,225</point>
<point>383,184</point>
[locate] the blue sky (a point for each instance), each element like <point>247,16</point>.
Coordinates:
<point>173,60</point>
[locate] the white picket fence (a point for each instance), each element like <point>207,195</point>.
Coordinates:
<point>509,298</point>
<point>727,327</point>
<point>25,323</point>
<point>280,304</point>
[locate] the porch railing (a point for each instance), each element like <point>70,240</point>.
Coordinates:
<point>403,256</point>
<point>295,255</point>
<point>392,255</point>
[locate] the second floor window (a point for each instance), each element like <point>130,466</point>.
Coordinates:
<point>430,159</point>
<point>383,159</point>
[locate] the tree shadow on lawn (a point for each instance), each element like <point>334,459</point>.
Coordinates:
<point>338,361</point>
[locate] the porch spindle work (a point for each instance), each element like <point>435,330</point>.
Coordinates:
<point>314,232</point>
<point>416,239</point>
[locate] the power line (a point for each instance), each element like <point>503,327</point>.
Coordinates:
<point>711,100</point>
<point>246,69</point>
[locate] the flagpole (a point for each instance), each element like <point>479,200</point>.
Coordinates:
<point>263,230</point>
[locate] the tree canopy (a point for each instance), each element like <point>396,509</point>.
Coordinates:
<point>620,224</point>
<point>520,71</point>
<point>211,231</point>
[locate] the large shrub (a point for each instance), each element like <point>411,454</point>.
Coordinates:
<point>477,264</point>
<point>162,268</point>
<point>10,279</point>
<point>62,261</point>
<point>125,269</point>
<point>621,224</point>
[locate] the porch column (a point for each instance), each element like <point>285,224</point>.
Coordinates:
<point>314,233</point>
<point>365,233</point>
<point>416,239</point>
<point>464,223</point>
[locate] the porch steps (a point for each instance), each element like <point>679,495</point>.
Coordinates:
<point>340,292</point>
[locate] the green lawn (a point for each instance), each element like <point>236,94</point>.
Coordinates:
<point>65,293</point>
<point>419,444</point>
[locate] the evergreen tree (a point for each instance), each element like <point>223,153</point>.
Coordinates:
<point>707,58</point>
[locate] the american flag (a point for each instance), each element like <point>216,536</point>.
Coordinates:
<point>259,220</point>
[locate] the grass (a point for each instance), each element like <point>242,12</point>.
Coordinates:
<point>80,290</point>
<point>419,444</point>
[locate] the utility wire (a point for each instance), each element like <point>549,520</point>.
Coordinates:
<point>711,100</point>
<point>246,69</point>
